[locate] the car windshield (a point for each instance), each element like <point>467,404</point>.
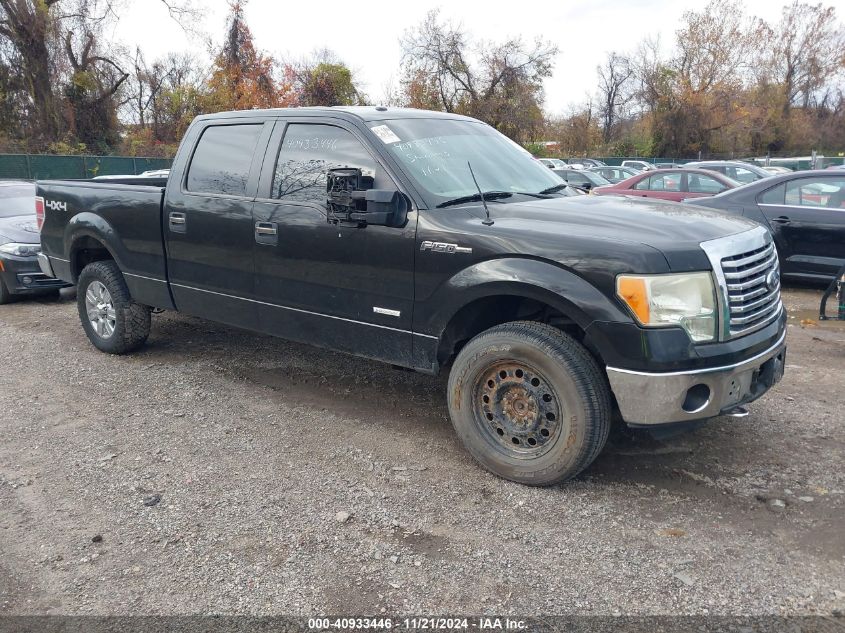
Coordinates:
<point>435,153</point>
<point>17,199</point>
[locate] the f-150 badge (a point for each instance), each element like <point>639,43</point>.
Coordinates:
<point>444,247</point>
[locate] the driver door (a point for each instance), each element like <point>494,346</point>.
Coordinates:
<point>326,284</point>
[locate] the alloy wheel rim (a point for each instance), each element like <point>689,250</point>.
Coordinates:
<point>100,309</point>
<point>517,409</point>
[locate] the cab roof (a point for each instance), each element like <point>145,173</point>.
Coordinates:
<point>363,113</point>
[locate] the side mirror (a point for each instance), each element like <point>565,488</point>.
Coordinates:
<point>352,200</point>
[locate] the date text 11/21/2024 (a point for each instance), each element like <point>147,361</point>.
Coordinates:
<point>418,623</point>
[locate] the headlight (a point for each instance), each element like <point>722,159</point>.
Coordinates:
<point>21,250</point>
<point>685,299</point>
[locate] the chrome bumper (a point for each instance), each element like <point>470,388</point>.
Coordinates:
<point>660,398</point>
<point>44,265</point>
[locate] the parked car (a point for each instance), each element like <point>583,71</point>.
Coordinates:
<point>776,169</point>
<point>614,174</point>
<point>840,167</point>
<point>582,178</point>
<point>20,243</point>
<point>741,172</point>
<point>670,184</point>
<point>429,240</point>
<point>585,163</point>
<point>553,163</point>
<point>639,165</point>
<point>805,211</point>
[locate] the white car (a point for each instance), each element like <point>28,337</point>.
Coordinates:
<point>553,163</point>
<point>639,165</point>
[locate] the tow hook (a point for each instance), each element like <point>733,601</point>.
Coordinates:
<point>737,412</point>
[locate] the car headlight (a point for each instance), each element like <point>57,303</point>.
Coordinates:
<point>684,299</point>
<point>20,250</point>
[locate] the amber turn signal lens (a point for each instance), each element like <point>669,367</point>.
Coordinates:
<point>632,290</point>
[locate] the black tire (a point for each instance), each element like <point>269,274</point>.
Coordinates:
<point>5,295</point>
<point>529,403</point>
<point>131,321</point>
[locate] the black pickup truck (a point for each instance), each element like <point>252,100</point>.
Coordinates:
<point>431,241</point>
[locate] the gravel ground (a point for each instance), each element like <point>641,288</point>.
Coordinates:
<point>220,472</point>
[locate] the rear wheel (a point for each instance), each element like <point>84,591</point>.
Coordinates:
<point>113,322</point>
<point>529,403</point>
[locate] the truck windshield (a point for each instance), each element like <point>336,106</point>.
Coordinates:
<point>435,153</point>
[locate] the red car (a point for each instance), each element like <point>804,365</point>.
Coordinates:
<point>670,184</point>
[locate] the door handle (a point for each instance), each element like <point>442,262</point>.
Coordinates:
<point>781,219</point>
<point>176,222</point>
<point>266,228</point>
<point>267,233</point>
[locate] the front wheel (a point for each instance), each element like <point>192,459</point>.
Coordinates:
<point>5,295</point>
<point>529,403</point>
<point>113,322</point>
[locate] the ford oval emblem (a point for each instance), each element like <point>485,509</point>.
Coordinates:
<point>772,280</point>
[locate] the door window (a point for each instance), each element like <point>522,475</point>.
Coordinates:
<point>223,158</point>
<point>740,174</point>
<point>306,154</point>
<point>661,182</point>
<point>699,183</point>
<point>816,192</point>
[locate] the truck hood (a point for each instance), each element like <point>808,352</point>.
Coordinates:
<point>674,229</point>
<point>19,228</point>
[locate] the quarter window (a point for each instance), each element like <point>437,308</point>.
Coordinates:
<point>223,158</point>
<point>773,195</point>
<point>308,151</point>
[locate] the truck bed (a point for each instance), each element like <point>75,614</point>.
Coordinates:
<point>128,217</point>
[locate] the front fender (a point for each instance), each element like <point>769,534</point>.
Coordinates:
<point>535,279</point>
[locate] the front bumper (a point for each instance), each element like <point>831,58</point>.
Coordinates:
<point>23,275</point>
<point>647,399</point>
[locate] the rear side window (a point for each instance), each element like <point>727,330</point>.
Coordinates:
<point>222,160</point>
<point>699,183</point>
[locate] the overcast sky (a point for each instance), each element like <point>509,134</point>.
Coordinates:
<point>365,35</point>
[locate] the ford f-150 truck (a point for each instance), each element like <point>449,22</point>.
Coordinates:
<point>429,241</point>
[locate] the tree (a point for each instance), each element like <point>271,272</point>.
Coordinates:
<point>71,78</point>
<point>615,90</point>
<point>243,77</point>
<point>808,49</point>
<point>324,80</point>
<point>501,84</point>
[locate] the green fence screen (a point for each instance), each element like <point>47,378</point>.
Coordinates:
<point>43,166</point>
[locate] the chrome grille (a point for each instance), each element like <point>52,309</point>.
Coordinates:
<point>746,266</point>
<point>753,283</point>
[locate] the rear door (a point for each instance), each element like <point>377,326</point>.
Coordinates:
<point>345,287</point>
<point>208,223</point>
<point>664,185</point>
<point>807,217</point>
<point>701,185</point>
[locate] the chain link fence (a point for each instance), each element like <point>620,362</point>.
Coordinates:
<point>44,167</point>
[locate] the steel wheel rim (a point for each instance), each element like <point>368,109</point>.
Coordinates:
<point>100,308</point>
<point>517,409</point>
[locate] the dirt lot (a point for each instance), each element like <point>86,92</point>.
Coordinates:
<point>206,473</point>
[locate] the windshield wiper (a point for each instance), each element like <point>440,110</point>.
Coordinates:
<point>555,189</point>
<point>476,197</point>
